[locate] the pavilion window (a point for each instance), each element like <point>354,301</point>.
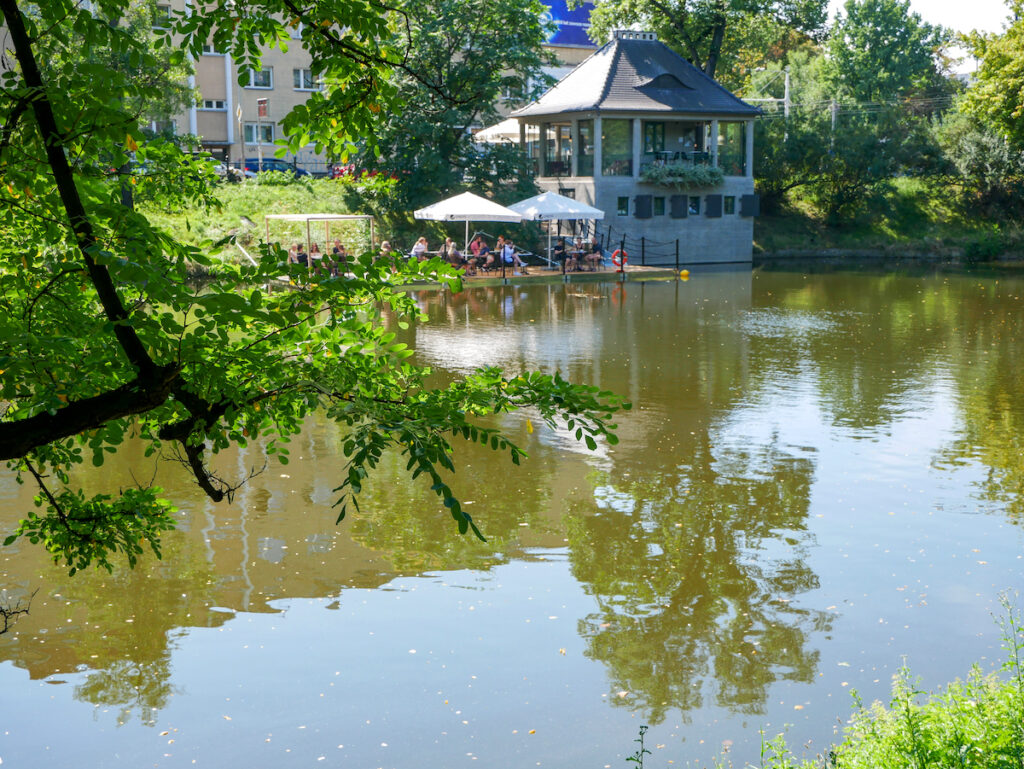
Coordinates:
<point>654,137</point>
<point>616,147</point>
<point>585,153</point>
<point>557,142</point>
<point>732,148</point>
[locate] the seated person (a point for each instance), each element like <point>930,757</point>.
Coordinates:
<point>419,249</point>
<point>315,258</point>
<point>508,255</point>
<point>339,260</point>
<point>558,252</point>
<point>386,255</point>
<point>488,260</point>
<point>482,257</point>
<point>451,254</point>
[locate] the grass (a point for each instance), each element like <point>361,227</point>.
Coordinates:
<point>243,207</point>
<point>976,723</point>
<point>913,218</point>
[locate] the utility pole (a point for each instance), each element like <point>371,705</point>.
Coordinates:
<point>786,101</point>
<point>261,112</point>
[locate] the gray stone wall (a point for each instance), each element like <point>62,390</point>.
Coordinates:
<point>702,239</point>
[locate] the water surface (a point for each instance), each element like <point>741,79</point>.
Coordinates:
<point>820,479</point>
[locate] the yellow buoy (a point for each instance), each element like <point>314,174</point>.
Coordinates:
<point>684,273</point>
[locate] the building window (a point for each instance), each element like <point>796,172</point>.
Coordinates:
<point>557,138</point>
<point>165,127</point>
<point>162,17</point>
<point>261,78</point>
<point>729,204</point>
<point>659,206</point>
<point>622,206</point>
<point>266,135</point>
<point>585,159</point>
<point>218,104</point>
<point>694,209</point>
<point>732,138</point>
<point>304,80</point>
<point>210,50</point>
<point>617,147</point>
<point>654,138</point>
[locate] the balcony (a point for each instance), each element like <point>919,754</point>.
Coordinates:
<point>681,170</point>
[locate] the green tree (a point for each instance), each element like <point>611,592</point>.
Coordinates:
<point>996,97</point>
<point>880,51</point>
<point>986,168</point>
<point>103,336</point>
<point>464,57</point>
<point>703,30</point>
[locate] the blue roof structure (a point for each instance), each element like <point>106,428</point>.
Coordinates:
<point>570,24</point>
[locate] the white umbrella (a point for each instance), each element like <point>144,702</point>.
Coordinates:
<point>467,208</point>
<point>550,206</point>
<point>505,131</point>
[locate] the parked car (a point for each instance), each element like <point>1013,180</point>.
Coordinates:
<point>234,174</point>
<point>274,164</point>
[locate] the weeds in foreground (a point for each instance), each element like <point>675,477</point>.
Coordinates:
<point>976,723</point>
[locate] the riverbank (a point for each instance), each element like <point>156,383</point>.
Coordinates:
<point>912,221</point>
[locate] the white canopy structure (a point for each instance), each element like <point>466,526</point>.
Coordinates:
<point>551,207</point>
<point>505,131</point>
<point>467,208</point>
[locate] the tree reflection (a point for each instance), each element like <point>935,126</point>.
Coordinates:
<point>695,570</point>
<point>143,688</point>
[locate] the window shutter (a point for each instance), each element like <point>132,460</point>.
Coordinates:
<point>643,206</point>
<point>750,205</point>
<point>713,207</point>
<point>678,204</point>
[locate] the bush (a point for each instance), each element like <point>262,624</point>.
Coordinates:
<point>682,175</point>
<point>977,723</point>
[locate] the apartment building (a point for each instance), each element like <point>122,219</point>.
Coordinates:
<point>235,122</point>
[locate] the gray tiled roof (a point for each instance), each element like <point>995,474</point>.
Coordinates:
<point>637,75</point>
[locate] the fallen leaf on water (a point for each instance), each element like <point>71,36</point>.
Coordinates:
<point>623,694</point>
<point>227,718</point>
<point>533,731</point>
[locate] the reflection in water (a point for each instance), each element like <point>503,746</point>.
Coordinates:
<point>696,580</point>
<point>721,554</point>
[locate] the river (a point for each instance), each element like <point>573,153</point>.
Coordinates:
<point>820,480</point>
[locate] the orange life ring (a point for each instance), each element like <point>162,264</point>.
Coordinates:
<point>620,257</point>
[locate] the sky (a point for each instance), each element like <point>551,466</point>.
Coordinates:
<point>961,15</point>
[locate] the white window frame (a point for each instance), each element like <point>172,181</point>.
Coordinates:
<point>161,13</point>
<point>302,71</point>
<point>156,126</point>
<point>252,78</point>
<point>210,50</point>
<point>214,105</point>
<point>249,132</point>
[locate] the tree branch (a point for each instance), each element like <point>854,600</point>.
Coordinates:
<point>136,397</point>
<point>81,226</point>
